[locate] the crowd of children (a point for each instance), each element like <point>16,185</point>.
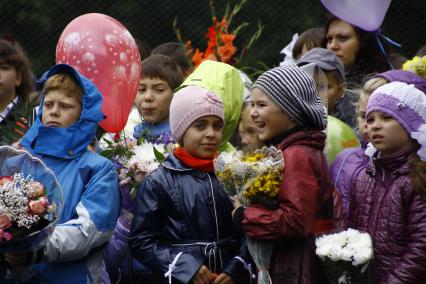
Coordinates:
<point>184,228</point>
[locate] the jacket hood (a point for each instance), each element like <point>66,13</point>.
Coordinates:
<point>68,142</point>
<point>225,81</point>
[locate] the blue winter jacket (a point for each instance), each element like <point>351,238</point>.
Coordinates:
<point>73,253</point>
<point>182,221</point>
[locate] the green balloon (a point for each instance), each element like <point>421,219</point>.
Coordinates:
<point>339,137</point>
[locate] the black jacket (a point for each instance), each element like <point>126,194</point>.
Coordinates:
<point>180,209</point>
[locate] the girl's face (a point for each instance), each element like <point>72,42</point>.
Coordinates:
<point>270,120</point>
<point>247,129</point>
<point>203,137</point>
<point>362,108</point>
<point>9,80</point>
<point>153,99</point>
<point>342,39</point>
<point>385,133</point>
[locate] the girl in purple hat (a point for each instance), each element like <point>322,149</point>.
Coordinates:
<point>351,161</point>
<point>388,198</point>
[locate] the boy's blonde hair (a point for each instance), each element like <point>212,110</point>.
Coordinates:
<point>66,83</point>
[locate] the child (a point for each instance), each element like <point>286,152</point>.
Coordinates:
<point>350,162</point>
<point>247,129</point>
<point>175,51</point>
<point>340,105</point>
<point>388,198</point>
<point>290,115</point>
<point>160,76</point>
<point>182,225</point>
<point>308,40</point>
<point>66,124</point>
<point>16,113</point>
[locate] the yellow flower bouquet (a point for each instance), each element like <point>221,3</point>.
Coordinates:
<point>417,65</point>
<point>255,177</point>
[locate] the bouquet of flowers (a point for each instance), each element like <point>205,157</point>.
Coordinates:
<point>24,206</point>
<point>134,160</point>
<point>417,65</point>
<point>31,202</point>
<point>256,178</point>
<point>346,257</point>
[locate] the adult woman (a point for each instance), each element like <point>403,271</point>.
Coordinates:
<point>357,49</point>
<point>360,54</point>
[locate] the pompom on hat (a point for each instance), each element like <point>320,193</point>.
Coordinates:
<point>189,104</point>
<point>407,105</point>
<point>294,92</point>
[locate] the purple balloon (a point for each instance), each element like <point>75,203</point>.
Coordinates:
<point>365,14</point>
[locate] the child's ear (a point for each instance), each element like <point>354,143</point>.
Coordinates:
<point>18,78</point>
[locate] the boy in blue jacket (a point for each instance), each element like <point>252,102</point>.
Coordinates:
<point>66,124</point>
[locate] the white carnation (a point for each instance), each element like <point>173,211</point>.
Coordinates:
<point>350,245</point>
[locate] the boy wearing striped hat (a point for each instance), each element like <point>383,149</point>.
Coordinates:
<point>289,114</point>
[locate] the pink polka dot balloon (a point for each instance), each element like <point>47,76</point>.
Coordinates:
<point>103,50</point>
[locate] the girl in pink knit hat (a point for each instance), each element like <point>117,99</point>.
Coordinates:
<point>182,228</point>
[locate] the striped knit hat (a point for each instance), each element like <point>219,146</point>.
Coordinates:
<point>294,92</point>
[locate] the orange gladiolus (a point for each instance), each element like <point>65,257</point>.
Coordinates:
<point>226,52</point>
<point>197,58</point>
<point>227,39</point>
<point>224,23</point>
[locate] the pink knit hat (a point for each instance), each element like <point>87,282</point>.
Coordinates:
<point>188,105</point>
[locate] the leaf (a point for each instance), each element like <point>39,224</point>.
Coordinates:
<point>108,142</point>
<point>158,155</point>
<point>107,153</point>
<point>240,28</point>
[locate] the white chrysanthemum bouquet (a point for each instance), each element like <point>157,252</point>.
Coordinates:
<point>346,257</point>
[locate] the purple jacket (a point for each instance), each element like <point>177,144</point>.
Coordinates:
<point>344,170</point>
<point>385,205</point>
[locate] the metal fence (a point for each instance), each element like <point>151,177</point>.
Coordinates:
<point>38,24</point>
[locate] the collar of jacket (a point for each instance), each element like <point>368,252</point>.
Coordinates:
<point>174,164</point>
<point>278,139</point>
<point>311,138</point>
<point>395,164</point>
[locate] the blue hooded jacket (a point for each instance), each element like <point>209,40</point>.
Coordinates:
<point>73,253</point>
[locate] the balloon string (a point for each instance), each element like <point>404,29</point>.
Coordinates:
<point>382,49</point>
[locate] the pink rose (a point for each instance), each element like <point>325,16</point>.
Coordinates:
<point>36,189</point>
<point>5,235</point>
<point>38,207</point>
<point>5,179</point>
<point>5,221</point>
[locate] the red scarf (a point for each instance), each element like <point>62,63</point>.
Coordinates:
<point>205,165</point>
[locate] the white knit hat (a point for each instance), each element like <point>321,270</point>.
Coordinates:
<point>407,105</point>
